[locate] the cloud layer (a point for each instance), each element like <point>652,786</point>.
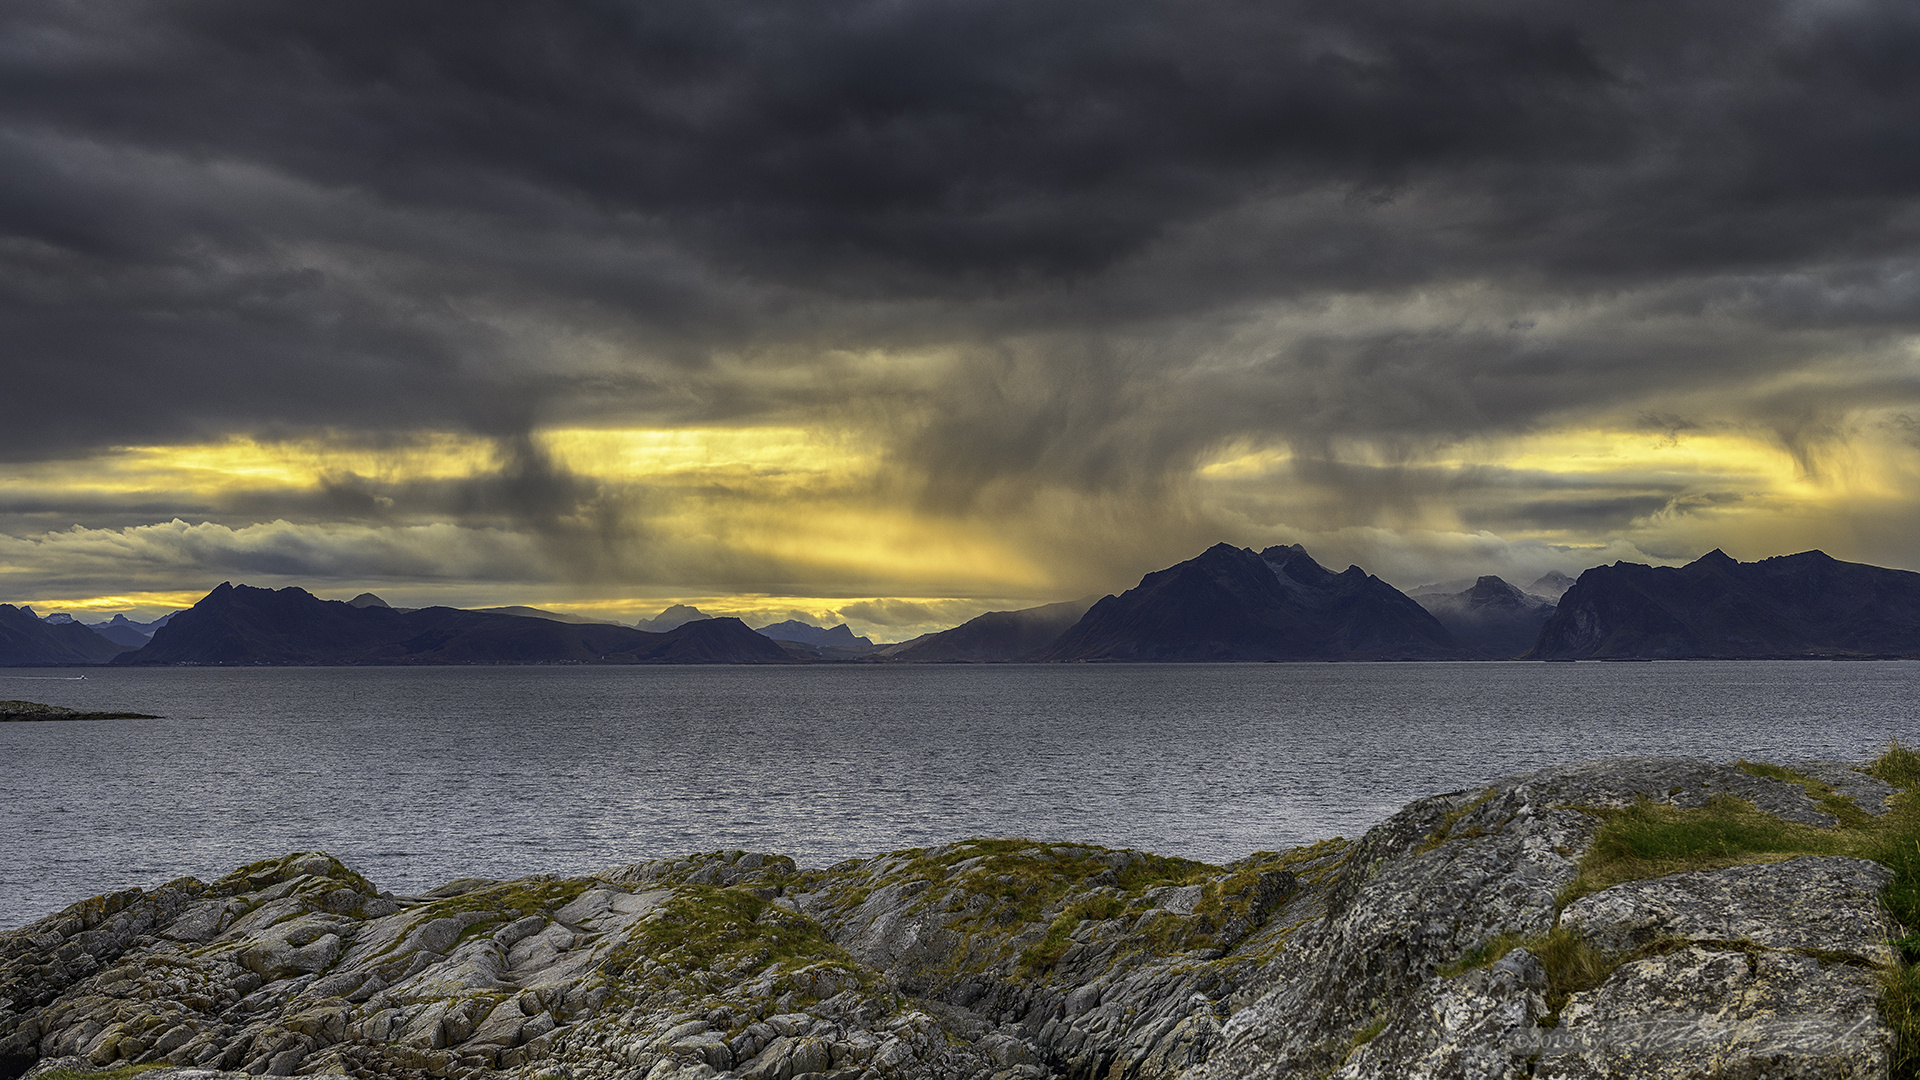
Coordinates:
<point>1056,293</point>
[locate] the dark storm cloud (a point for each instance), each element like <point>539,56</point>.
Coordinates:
<point>999,138</point>
<point>223,214</point>
<point>944,136</point>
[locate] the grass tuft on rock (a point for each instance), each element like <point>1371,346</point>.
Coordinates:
<point>1485,953</point>
<point>1898,765</point>
<point>1362,1036</point>
<point>1443,832</point>
<point>1042,955</point>
<point>1896,845</point>
<point>1900,1008</point>
<point>1573,964</point>
<point>1649,839</point>
<point>1824,795</point>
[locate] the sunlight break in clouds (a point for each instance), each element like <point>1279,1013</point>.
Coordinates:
<point>787,502</point>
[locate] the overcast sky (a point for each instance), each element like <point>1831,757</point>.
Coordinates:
<point>896,311</point>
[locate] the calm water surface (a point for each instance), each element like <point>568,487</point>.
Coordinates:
<point>417,776</point>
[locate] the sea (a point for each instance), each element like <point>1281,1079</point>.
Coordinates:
<point>416,776</point>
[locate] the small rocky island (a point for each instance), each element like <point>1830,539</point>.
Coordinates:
<point>1632,918</point>
<point>14,711</point>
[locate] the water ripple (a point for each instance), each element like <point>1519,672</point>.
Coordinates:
<point>416,776</point>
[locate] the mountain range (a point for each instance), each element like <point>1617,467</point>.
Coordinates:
<point>1787,607</point>
<point>238,624</point>
<point>1226,604</point>
<point>27,641</point>
<point>119,630</point>
<point>124,631</point>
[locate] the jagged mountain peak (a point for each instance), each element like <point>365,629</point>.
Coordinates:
<point>1551,584</point>
<point>1494,618</point>
<point>1231,603</point>
<point>1495,590</point>
<point>806,633</point>
<point>1292,561</point>
<point>671,617</point>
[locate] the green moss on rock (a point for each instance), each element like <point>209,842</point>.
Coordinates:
<point>1830,801</point>
<point>267,873</point>
<point>737,932</point>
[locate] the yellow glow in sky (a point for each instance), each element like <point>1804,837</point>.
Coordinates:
<point>781,509</point>
<point>780,457</point>
<point>434,456</point>
<point>1640,453</point>
<point>209,470</point>
<point>1754,463</point>
<point>159,602</point>
<point>247,464</point>
<point>640,454</point>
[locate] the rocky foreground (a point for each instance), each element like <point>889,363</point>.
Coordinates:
<point>1457,939</point>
